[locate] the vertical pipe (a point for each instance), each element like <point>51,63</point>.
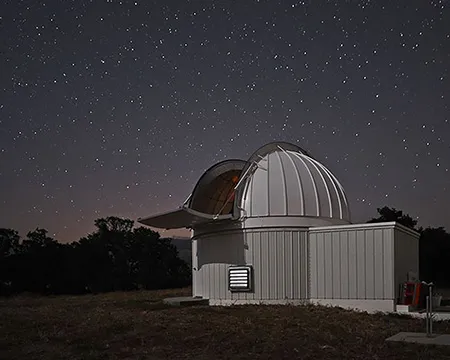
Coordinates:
<point>431,310</point>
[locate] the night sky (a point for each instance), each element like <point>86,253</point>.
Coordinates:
<point>117,107</point>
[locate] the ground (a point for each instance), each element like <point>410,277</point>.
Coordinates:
<point>136,325</point>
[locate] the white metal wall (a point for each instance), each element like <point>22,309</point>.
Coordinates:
<point>344,262</point>
<point>406,255</point>
<point>353,263</point>
<point>278,257</point>
<point>196,284</point>
<point>215,253</point>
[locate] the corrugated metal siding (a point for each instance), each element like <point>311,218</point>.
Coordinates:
<point>215,254</point>
<point>278,257</point>
<point>196,283</point>
<point>406,257</point>
<point>351,264</point>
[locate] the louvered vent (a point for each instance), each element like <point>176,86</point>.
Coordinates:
<point>240,278</point>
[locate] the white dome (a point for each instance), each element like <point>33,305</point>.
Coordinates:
<point>281,185</point>
<point>286,181</point>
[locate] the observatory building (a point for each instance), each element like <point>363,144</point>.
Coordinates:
<point>276,229</point>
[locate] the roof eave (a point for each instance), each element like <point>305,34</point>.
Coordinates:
<point>182,217</point>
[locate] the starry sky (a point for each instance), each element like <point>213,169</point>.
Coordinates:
<point>117,107</point>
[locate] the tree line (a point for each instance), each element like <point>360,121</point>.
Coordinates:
<point>116,257</point>
<point>119,257</point>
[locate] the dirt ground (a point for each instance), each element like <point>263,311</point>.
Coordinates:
<point>136,325</point>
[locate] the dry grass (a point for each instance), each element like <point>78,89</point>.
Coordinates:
<point>137,325</point>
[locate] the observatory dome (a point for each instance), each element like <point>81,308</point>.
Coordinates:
<point>286,181</point>
<point>280,185</point>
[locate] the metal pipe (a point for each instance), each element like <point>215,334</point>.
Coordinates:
<point>244,175</point>
<point>187,199</point>
<point>431,310</point>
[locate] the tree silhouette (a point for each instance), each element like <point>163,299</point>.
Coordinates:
<point>9,246</point>
<point>9,242</point>
<point>157,263</point>
<point>392,214</point>
<point>38,263</point>
<point>114,257</point>
<point>434,255</point>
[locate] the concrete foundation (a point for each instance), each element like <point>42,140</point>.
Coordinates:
<point>370,306</point>
<point>185,301</point>
<point>214,302</point>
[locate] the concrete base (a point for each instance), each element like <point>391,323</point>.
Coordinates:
<point>370,306</point>
<point>403,308</point>
<point>225,302</point>
<point>421,338</point>
<point>185,301</point>
<point>437,316</point>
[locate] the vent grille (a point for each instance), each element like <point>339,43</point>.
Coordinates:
<point>240,278</point>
